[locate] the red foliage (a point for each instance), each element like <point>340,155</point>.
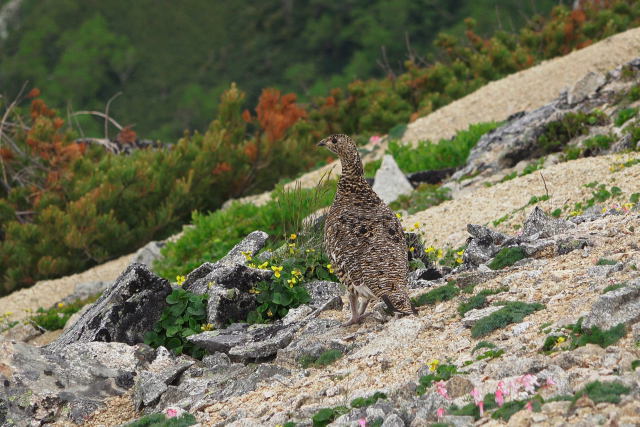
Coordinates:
<point>221,168</point>
<point>277,113</point>
<point>127,136</point>
<point>251,151</point>
<point>34,93</point>
<point>246,116</point>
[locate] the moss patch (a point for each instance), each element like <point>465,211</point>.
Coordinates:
<point>443,293</point>
<point>512,312</point>
<point>507,257</point>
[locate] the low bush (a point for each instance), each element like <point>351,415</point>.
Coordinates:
<point>161,420</point>
<point>325,359</point>
<point>443,293</point>
<point>625,115</point>
<point>57,316</point>
<point>511,312</point>
<point>440,373</point>
<point>557,134</point>
<point>478,301</point>
<point>598,392</point>
<point>423,197</point>
<point>507,257</point>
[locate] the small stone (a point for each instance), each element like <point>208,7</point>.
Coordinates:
<point>393,420</point>
<point>615,307</point>
<point>586,86</point>
<point>21,332</point>
<point>459,386</point>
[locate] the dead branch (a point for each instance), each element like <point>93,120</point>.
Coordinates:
<point>384,64</point>
<point>4,119</point>
<point>106,113</point>
<point>99,114</point>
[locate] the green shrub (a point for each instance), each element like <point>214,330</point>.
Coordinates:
<point>423,197</point>
<point>445,154</point>
<point>605,261</point>
<point>511,312</point>
<point>552,341</point>
<point>325,359</point>
<point>440,373</point>
<point>479,300</point>
<point>507,257</point>
<point>512,406</point>
<point>185,314</point>
<point>213,235</point>
<point>483,344</point>
<point>598,392</point>
<point>557,134</point>
<point>160,420</point>
<point>56,317</point>
<point>443,293</point>
<point>613,287</point>
<point>604,338</point>
<point>326,415</point>
<point>598,143</point>
<point>362,402</point>
<point>556,213</point>
<point>625,115</point>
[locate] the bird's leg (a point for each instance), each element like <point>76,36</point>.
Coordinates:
<point>363,307</point>
<point>355,313</point>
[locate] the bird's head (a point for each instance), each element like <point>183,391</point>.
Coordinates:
<point>340,144</point>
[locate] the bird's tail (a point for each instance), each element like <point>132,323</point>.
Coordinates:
<point>399,303</point>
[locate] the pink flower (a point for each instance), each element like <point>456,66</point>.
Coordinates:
<point>441,389</point>
<point>478,400</point>
<point>528,382</point>
<point>375,139</point>
<point>171,412</point>
<point>440,413</point>
<point>529,406</point>
<point>499,397</point>
<point>362,422</point>
<point>550,382</point>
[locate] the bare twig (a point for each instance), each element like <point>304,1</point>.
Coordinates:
<point>546,190</point>
<point>106,143</point>
<point>384,64</point>
<point>4,119</point>
<point>99,114</point>
<point>106,114</point>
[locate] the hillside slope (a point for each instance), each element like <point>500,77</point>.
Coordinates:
<point>601,56</point>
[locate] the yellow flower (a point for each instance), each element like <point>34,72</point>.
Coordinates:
<point>416,225</point>
<point>604,209</point>
<point>180,280</point>
<point>411,249</point>
<point>292,282</point>
<point>254,291</point>
<point>293,236</point>
<point>211,284</point>
<point>560,340</point>
<point>398,215</point>
<point>252,265</point>
<point>439,253</point>
<point>330,268</point>
<point>207,327</point>
<point>269,313</point>
<point>310,250</point>
<point>60,304</point>
<point>430,249</point>
<point>459,260</point>
<point>276,271</point>
<point>264,265</point>
<point>460,252</point>
<point>247,255</point>
<point>433,365</point>
<point>296,273</point>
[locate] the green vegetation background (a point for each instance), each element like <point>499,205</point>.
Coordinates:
<point>172,63</point>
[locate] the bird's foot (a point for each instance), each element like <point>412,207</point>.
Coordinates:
<point>355,319</point>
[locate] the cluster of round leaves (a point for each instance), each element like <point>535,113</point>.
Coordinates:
<point>185,314</point>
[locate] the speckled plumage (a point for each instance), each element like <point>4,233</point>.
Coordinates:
<point>364,239</point>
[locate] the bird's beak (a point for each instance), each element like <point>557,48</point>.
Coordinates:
<point>321,143</point>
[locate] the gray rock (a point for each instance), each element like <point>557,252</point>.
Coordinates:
<point>539,225</point>
<point>390,182</point>
<point>601,272</point>
<point>147,254</point>
<point>250,244</point>
<point>86,290</point>
<point>325,294</point>
<point>66,386</point>
<point>393,420</point>
<point>317,337</point>
<point>152,382</point>
<point>472,317</point>
<point>586,86</point>
<point>483,245</point>
<point>124,313</point>
<point>75,317</point>
<point>613,308</point>
<point>458,420</point>
<point>21,332</point>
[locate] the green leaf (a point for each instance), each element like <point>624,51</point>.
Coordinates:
<point>172,330</point>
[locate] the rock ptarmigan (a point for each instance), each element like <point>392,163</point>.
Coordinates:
<point>364,238</point>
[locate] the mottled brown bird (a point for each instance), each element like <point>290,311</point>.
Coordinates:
<point>364,238</point>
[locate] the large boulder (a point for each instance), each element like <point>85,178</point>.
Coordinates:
<point>613,308</point>
<point>390,183</point>
<point>67,385</point>
<point>124,313</point>
<point>483,245</point>
<point>539,225</point>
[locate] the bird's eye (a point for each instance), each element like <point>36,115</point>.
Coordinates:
<point>334,139</point>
